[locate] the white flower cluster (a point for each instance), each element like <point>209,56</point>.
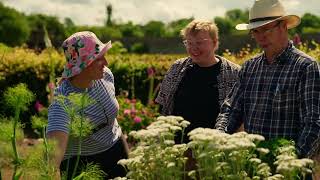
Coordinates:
<point>287,163</point>
<point>157,156</point>
<point>228,154</point>
<point>160,130</point>
<point>222,141</point>
<point>218,155</point>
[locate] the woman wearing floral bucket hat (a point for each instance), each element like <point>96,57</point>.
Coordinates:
<point>278,91</point>
<point>85,72</point>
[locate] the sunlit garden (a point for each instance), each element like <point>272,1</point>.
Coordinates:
<point>31,63</point>
<point>28,81</point>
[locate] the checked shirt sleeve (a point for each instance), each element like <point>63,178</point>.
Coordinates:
<point>166,86</point>
<point>309,139</point>
<point>230,117</point>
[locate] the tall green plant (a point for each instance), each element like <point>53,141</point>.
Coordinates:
<point>74,104</point>
<point>18,98</point>
<point>29,162</point>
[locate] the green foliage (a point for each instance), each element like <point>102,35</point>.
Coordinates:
<point>131,30</point>
<point>79,126</point>
<point>237,15</point>
<point>102,32</point>
<point>38,123</point>
<point>273,146</point>
<point>308,20</point>
<point>139,48</point>
<point>224,25</point>
<point>117,48</point>
<point>56,31</point>
<point>35,165</point>
<point>6,130</point>
<point>20,65</point>
<point>18,97</point>
<point>29,29</point>
<point>14,28</point>
<point>174,27</point>
<point>74,104</point>
<point>154,29</point>
<point>91,172</point>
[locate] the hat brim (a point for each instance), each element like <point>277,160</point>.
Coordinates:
<point>104,49</point>
<point>292,21</point>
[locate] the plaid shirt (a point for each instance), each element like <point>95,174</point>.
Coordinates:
<point>277,100</point>
<point>226,79</point>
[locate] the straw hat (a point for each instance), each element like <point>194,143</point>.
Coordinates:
<point>266,11</point>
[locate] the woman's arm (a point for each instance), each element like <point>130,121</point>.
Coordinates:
<point>61,140</point>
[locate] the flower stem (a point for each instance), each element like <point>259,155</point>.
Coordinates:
<point>45,143</point>
<point>132,87</point>
<point>14,143</point>
<point>80,137</point>
<point>150,95</point>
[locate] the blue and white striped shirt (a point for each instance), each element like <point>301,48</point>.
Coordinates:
<point>105,109</point>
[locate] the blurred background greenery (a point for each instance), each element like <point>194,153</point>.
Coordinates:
<point>152,37</point>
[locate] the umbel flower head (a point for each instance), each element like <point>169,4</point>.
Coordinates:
<point>74,104</point>
<point>18,97</point>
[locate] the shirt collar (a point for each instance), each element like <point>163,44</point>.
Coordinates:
<point>281,58</point>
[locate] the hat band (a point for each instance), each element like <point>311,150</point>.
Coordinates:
<point>263,19</point>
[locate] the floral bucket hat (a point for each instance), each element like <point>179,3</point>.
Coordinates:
<point>80,50</point>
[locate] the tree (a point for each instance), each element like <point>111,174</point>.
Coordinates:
<point>308,20</point>
<point>14,28</point>
<point>68,22</point>
<point>70,27</point>
<point>56,31</point>
<point>237,15</point>
<point>131,30</point>
<point>154,29</point>
<point>175,27</point>
<point>225,25</point>
<point>103,33</point>
<point>109,14</point>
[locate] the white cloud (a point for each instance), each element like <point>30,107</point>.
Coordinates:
<point>92,12</point>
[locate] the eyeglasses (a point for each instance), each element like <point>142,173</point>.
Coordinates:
<point>189,43</point>
<point>255,32</point>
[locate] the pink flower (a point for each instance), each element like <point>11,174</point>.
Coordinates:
<point>127,111</point>
<point>133,112</point>
<point>38,106</point>
<point>151,71</point>
<point>137,119</point>
<point>127,101</point>
<point>133,101</point>
<point>51,85</point>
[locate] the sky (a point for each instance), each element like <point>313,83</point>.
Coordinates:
<point>93,12</point>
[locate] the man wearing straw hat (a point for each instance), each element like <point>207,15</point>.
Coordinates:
<point>278,92</point>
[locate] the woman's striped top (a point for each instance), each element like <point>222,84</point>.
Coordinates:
<point>104,110</point>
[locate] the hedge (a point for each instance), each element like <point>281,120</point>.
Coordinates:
<point>22,65</point>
